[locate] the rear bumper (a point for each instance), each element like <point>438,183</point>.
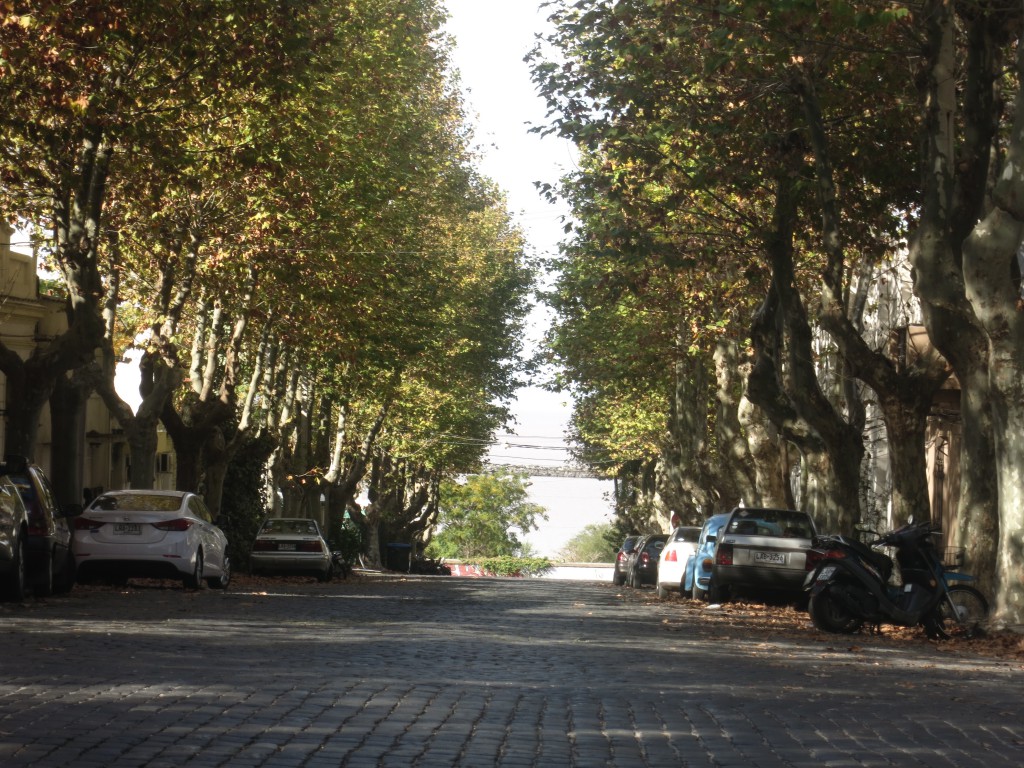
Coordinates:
<point>756,577</point>
<point>142,569</point>
<point>288,562</point>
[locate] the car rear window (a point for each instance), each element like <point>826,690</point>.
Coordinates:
<point>771,522</point>
<point>139,502</point>
<point>303,527</point>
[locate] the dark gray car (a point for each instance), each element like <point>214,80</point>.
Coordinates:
<point>13,538</point>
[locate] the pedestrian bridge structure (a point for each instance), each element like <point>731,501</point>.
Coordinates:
<point>537,471</point>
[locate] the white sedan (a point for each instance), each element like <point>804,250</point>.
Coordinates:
<point>679,548</point>
<point>291,545</point>
<point>155,534</point>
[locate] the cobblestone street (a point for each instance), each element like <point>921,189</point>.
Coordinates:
<point>471,672</point>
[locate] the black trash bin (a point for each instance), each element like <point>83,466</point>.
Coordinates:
<point>398,556</point>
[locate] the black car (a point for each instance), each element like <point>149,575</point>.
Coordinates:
<point>13,537</point>
<point>49,561</point>
<point>642,565</point>
<point>621,558</point>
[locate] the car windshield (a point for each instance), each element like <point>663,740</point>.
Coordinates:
<point>139,502</point>
<point>771,522</point>
<point>304,527</point>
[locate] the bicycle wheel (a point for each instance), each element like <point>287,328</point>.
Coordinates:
<point>963,614</point>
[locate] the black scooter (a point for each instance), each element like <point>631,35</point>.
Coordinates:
<point>849,585</point>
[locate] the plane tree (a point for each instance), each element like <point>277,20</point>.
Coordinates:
<point>87,85</point>
<point>718,104</point>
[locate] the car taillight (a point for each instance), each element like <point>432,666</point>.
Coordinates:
<point>645,558</point>
<point>85,524</point>
<point>671,556</point>
<point>178,524</point>
<point>622,556</point>
<point>264,545</point>
<point>310,546</point>
<point>723,555</point>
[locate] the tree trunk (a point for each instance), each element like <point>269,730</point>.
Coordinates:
<point>67,452</point>
<point>767,457</point>
<point>990,256</point>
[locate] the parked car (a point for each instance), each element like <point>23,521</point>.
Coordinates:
<point>13,538</point>
<point>156,534</point>
<point>49,561</point>
<point>678,550</point>
<point>762,549</point>
<point>642,564</point>
<point>698,568</point>
<point>621,558</point>
<point>291,545</point>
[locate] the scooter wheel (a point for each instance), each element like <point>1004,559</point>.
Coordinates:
<point>829,615</point>
<point>964,615</point>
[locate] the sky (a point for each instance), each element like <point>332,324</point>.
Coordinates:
<point>491,41</point>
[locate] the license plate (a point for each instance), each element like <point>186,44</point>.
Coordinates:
<point>127,529</point>
<point>772,558</point>
<point>286,547</point>
<point>826,573</point>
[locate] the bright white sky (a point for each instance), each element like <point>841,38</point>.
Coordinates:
<point>491,41</point>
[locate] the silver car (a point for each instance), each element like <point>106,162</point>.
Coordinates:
<point>761,549</point>
<point>291,545</point>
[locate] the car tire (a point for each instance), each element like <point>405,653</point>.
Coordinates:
<point>325,576</point>
<point>222,581</point>
<point>699,594</point>
<point>662,591</point>
<point>618,578</point>
<point>717,594</point>
<point>64,582</point>
<point>15,586</point>
<point>194,580</point>
<point>42,586</point>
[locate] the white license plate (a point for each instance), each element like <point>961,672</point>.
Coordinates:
<point>127,529</point>
<point>285,547</point>
<point>826,573</point>
<point>772,558</point>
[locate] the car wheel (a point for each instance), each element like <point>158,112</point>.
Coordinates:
<point>64,582</point>
<point>717,594</point>
<point>662,591</point>
<point>698,594</point>
<point>43,584</point>
<point>15,585</point>
<point>618,578</point>
<point>222,581</point>
<point>327,575</point>
<point>194,580</point>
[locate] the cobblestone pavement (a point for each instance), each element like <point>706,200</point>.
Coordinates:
<point>469,672</point>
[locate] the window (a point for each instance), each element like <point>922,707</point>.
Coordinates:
<point>163,463</point>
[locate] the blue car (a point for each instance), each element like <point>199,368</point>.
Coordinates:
<point>698,566</point>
